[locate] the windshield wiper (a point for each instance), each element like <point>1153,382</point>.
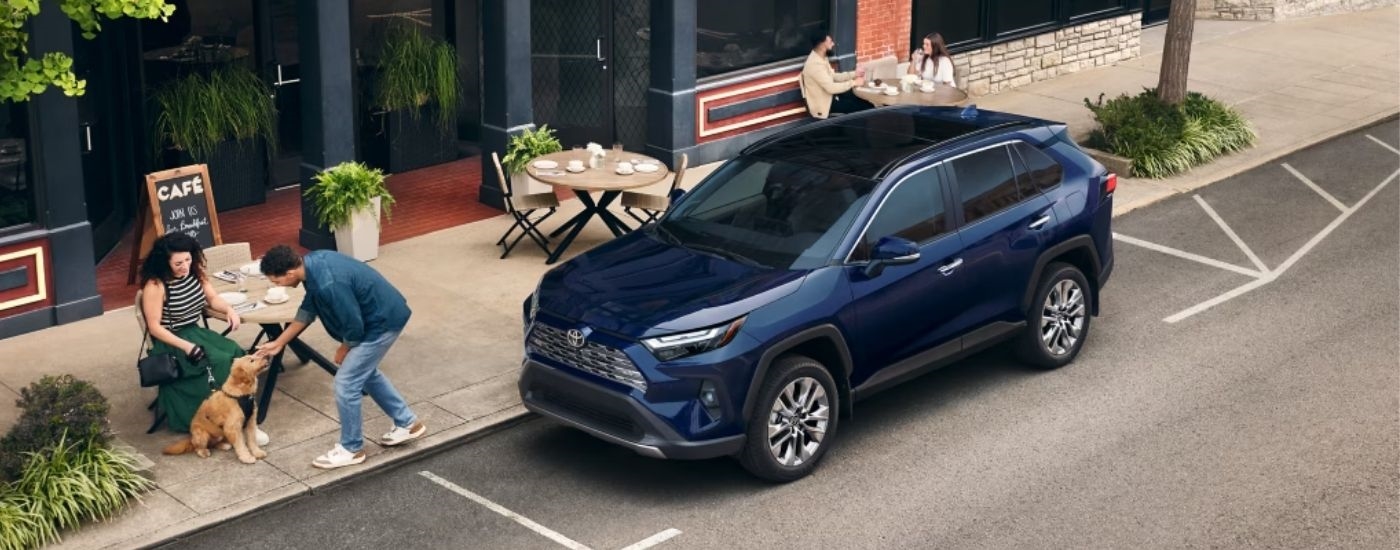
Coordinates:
<point>725,254</point>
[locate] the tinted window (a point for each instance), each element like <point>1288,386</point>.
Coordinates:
<point>772,213</point>
<point>16,192</point>
<point>986,182</point>
<point>959,21</point>
<point>1015,15</point>
<point>1041,170</point>
<point>738,35</point>
<point>913,210</point>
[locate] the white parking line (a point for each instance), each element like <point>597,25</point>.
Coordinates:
<point>1231,233</point>
<point>1384,144</point>
<point>1187,255</point>
<point>536,527</point>
<point>1314,187</point>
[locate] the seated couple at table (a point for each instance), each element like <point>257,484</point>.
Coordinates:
<point>827,91</point>
<point>932,62</point>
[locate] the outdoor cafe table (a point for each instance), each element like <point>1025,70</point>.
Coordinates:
<point>603,179</point>
<point>942,96</point>
<point>273,318</point>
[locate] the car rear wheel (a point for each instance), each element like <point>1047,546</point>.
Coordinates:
<point>794,421</point>
<point>1058,321</point>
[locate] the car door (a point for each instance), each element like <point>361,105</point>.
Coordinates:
<point>1003,228</point>
<point>902,313</point>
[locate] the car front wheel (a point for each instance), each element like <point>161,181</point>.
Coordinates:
<point>793,422</point>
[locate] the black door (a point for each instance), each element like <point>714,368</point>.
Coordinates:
<point>109,131</point>
<point>1155,11</point>
<point>571,42</point>
<point>281,65</point>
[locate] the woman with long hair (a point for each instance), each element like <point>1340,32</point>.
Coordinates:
<point>175,292</point>
<point>932,61</point>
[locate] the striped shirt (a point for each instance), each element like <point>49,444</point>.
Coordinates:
<point>184,302</point>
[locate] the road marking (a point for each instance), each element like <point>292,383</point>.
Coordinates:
<point>1307,247</point>
<point>654,540</point>
<point>1383,144</point>
<point>1188,256</point>
<point>1314,187</point>
<point>1231,233</point>
<point>540,529</point>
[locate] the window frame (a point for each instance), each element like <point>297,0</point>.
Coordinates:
<point>776,66</point>
<point>956,187</point>
<point>944,189</point>
<point>989,35</point>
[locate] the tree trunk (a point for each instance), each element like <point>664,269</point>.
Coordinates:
<point>1176,55</point>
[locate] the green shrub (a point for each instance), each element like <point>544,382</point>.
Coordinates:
<point>50,408</point>
<point>416,69</point>
<point>21,527</point>
<point>78,480</point>
<point>197,113</point>
<point>1162,139</point>
<point>345,188</point>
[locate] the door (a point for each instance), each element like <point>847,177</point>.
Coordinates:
<point>571,43</point>
<point>279,55</point>
<point>1155,11</point>
<point>902,314</point>
<point>1004,229</point>
<point>108,132</point>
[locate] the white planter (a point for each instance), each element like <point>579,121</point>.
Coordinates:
<point>360,239</point>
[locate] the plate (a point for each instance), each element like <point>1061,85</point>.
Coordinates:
<point>545,164</point>
<point>891,92</point>
<point>269,299</point>
<point>233,298</point>
<point>647,168</point>
<point>575,171</point>
<point>621,173</point>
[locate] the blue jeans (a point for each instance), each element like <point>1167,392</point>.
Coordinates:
<point>360,372</point>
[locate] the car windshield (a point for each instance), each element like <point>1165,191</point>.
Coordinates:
<point>768,213</point>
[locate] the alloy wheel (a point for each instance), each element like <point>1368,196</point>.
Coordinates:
<point>1062,317</point>
<point>798,421</point>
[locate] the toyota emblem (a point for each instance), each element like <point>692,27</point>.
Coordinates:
<point>576,337</point>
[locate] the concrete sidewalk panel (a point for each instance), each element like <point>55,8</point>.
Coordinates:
<point>155,511</point>
<point>295,461</point>
<point>485,398</point>
<point>222,487</point>
<point>290,421</point>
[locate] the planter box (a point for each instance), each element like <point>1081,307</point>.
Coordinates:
<point>396,142</point>
<point>360,239</point>
<point>237,171</point>
<point>1122,166</point>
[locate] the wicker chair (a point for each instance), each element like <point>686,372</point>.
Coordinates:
<point>652,206</point>
<point>521,208</point>
<point>225,256</point>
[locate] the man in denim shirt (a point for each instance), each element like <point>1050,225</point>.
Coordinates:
<point>365,314</point>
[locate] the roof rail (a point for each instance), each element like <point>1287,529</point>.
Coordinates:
<point>980,132</point>
<point>802,128</point>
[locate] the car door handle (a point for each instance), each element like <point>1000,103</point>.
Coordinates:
<point>1040,222</point>
<point>950,267</point>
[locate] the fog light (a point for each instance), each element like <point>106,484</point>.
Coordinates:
<point>709,397</point>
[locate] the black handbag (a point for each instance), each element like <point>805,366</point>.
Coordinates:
<point>156,368</point>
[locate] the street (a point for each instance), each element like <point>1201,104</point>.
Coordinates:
<point>1239,389</point>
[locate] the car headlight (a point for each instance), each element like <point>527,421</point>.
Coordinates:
<point>676,346</point>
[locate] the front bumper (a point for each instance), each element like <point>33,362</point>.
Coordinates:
<point>611,416</point>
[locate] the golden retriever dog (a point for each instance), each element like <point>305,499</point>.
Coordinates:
<point>223,418</point>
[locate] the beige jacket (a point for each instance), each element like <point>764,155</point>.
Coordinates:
<point>820,82</point>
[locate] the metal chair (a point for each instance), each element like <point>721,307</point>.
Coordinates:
<point>521,208</point>
<point>652,206</point>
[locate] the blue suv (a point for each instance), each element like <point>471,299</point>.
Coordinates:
<point>821,265</point>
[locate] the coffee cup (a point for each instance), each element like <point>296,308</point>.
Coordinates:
<point>277,294</point>
<point>576,165</point>
<point>624,167</point>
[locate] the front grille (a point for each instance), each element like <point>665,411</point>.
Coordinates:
<point>598,417</point>
<point>593,358</point>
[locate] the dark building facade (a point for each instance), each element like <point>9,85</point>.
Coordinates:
<point>669,77</point>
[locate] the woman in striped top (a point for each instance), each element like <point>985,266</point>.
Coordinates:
<point>175,292</point>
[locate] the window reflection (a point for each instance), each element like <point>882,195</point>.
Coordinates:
<point>731,36</point>
<point>16,191</point>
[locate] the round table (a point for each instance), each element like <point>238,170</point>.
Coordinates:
<point>942,96</point>
<point>603,179</point>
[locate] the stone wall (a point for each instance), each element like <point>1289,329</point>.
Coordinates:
<point>1020,62</point>
<point>1277,10</point>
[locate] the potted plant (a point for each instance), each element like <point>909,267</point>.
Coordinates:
<point>414,91</point>
<point>225,120</point>
<point>527,146</point>
<point>348,198</point>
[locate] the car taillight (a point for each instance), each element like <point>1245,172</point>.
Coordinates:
<point>1110,184</point>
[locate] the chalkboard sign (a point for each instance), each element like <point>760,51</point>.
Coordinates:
<point>182,201</point>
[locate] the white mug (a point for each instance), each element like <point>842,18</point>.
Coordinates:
<point>624,167</point>
<point>575,165</point>
<point>277,293</point>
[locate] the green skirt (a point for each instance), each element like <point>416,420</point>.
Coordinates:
<point>181,398</point>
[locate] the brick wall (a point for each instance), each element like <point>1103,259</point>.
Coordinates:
<point>1277,10</point>
<point>882,28</point>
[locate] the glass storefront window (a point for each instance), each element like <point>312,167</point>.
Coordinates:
<point>16,185</point>
<point>959,21</point>
<point>1020,15</point>
<point>732,35</point>
<point>370,21</point>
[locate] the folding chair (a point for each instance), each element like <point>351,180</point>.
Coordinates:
<point>652,206</point>
<point>521,208</point>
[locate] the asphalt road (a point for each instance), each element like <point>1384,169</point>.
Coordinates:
<point>1270,419</point>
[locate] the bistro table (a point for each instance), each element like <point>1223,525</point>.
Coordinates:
<point>273,318</point>
<point>942,96</point>
<point>604,179</point>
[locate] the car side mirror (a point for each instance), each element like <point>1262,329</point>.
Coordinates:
<point>890,251</point>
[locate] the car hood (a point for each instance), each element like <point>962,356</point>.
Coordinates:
<point>638,287</point>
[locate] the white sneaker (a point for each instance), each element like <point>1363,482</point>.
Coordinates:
<point>262,438</point>
<point>337,458</point>
<point>399,436</point>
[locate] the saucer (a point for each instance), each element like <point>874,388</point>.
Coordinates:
<point>647,168</point>
<point>269,299</point>
<point>233,298</point>
<point>545,164</point>
<point>891,92</point>
<point>621,173</point>
<point>571,169</point>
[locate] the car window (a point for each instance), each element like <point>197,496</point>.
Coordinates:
<point>1041,170</point>
<point>913,210</point>
<point>986,182</point>
<point>772,213</point>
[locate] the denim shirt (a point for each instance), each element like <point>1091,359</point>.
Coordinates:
<point>354,302</point>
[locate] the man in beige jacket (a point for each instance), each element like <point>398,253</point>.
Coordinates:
<point>826,90</point>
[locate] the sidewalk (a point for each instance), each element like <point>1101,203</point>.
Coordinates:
<point>1299,82</point>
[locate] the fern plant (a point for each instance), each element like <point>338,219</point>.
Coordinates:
<point>529,145</point>
<point>416,69</point>
<point>346,188</point>
<point>196,113</point>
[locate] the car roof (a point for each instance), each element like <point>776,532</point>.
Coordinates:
<point>871,143</point>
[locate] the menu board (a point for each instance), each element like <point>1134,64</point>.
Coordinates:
<point>182,201</point>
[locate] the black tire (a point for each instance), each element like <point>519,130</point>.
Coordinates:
<point>1030,345</point>
<point>756,457</point>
